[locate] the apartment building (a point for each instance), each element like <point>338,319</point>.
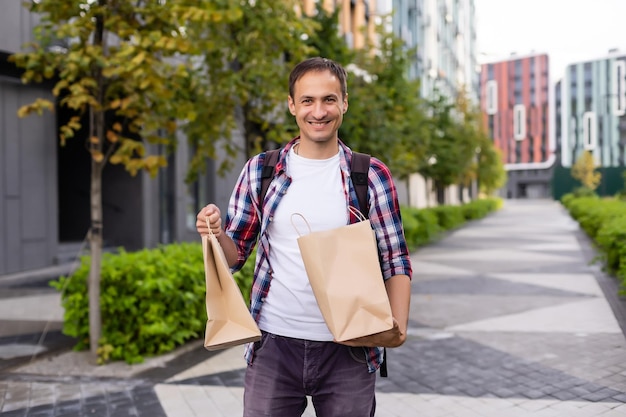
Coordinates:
<point>441,34</point>
<point>590,104</point>
<point>515,101</point>
<point>356,18</point>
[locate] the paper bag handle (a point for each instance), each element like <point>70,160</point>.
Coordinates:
<point>305,221</point>
<point>357,213</point>
<point>208,225</point>
<point>352,210</point>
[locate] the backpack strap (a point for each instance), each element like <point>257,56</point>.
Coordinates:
<point>267,175</point>
<point>359,172</point>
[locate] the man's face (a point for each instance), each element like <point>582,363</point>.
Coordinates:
<point>318,106</point>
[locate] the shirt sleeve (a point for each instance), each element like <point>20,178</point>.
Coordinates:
<point>242,218</point>
<point>384,215</point>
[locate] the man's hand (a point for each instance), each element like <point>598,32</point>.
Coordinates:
<point>390,338</point>
<point>399,292</point>
<point>211,213</point>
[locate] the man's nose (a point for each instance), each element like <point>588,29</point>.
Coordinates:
<point>319,110</point>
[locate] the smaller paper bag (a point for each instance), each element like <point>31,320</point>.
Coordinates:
<point>229,320</point>
<point>344,272</point>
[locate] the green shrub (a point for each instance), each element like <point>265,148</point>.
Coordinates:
<point>449,217</point>
<point>584,192</point>
<point>604,221</point>
<point>567,199</point>
<point>420,226</point>
<point>592,212</point>
<point>244,277</point>
<point>477,209</point>
<point>151,301</point>
<point>611,238</point>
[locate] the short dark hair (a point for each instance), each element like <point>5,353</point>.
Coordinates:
<point>318,64</point>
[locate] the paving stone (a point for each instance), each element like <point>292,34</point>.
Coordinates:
<point>437,372</point>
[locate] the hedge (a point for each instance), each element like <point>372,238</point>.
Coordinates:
<point>153,300</point>
<point>604,221</point>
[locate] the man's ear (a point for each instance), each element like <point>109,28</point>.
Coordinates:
<point>292,106</point>
<point>345,104</point>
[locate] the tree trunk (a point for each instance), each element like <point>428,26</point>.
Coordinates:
<point>440,189</point>
<point>96,127</point>
<point>95,245</point>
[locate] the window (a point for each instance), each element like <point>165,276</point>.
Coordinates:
<point>619,88</point>
<point>590,131</point>
<point>491,93</point>
<point>519,121</point>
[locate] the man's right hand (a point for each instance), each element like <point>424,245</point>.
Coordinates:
<point>214,216</point>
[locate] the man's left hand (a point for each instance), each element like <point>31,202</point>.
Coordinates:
<point>390,338</point>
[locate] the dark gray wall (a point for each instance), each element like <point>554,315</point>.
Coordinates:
<point>216,188</point>
<point>28,209</point>
<point>16,24</point>
<point>532,183</point>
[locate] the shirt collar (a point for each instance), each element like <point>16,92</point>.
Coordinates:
<point>345,157</point>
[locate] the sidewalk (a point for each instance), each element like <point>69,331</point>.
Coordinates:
<point>508,318</point>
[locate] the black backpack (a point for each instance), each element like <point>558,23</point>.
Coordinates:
<point>358,171</point>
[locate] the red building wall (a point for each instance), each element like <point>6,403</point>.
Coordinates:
<point>519,81</point>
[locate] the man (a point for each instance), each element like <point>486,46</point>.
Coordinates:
<point>297,356</point>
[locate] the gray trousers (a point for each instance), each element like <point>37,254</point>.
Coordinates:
<point>285,371</point>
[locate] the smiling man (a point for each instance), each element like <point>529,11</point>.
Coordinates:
<point>297,356</point>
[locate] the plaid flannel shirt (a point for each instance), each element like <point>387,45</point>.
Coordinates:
<point>247,221</point>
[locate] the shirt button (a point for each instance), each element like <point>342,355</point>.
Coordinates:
<point>271,218</point>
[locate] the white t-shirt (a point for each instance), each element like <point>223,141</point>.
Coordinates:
<point>316,192</point>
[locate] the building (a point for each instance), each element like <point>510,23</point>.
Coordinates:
<point>442,35</point>
<point>45,188</point>
<point>356,18</point>
<point>591,115</point>
<point>515,102</point>
<point>28,166</point>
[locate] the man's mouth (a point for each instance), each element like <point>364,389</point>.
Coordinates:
<point>318,123</point>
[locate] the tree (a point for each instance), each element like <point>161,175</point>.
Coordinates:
<point>584,170</point>
<point>326,39</point>
<point>389,120</point>
<point>485,166</point>
<point>450,150</point>
<point>140,72</point>
<point>460,151</point>
<point>247,66</point>
<point>385,115</point>
<point>491,174</point>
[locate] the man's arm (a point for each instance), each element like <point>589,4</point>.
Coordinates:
<point>399,293</point>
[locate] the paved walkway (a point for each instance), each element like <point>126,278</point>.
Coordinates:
<point>508,318</point>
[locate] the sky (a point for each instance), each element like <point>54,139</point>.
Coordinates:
<point>569,31</point>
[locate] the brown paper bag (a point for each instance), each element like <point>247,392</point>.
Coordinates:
<point>344,272</point>
<point>229,320</point>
